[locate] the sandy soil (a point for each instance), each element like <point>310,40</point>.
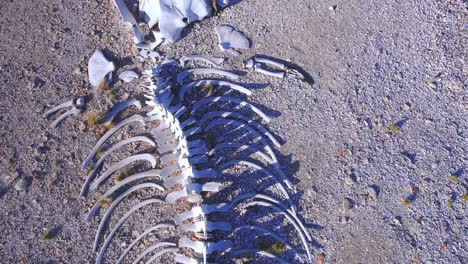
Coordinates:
<point>387,112</point>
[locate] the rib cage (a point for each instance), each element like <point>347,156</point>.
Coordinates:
<point>188,169</point>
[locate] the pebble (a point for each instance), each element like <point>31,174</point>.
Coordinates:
<point>349,180</point>
<point>81,126</point>
<point>406,107</point>
<point>372,192</point>
<point>21,184</point>
<point>444,226</point>
<point>347,204</point>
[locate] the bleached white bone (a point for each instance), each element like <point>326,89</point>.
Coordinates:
<point>73,111</point>
<point>146,232</point>
<point>264,171</point>
<point>182,259</point>
<point>191,189</point>
<point>108,134</point>
<point>229,99</point>
<point>120,223</point>
<point>184,74</point>
<point>128,76</point>
<point>239,125</point>
<point>297,225</point>
<point>202,83</point>
<point>58,107</point>
<point>111,114</point>
<point>130,20</point>
<point>204,227</point>
<point>230,38</point>
<point>207,59</point>
<point>200,211</point>
<point>98,68</point>
<point>98,164</point>
<point>119,165</point>
<point>242,117</point>
<point>260,69</point>
<point>158,254</point>
<point>110,192</point>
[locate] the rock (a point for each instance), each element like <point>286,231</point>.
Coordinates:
<point>373,192</point>
<point>397,221</point>
<point>81,126</point>
<point>21,184</point>
<point>444,226</point>
<point>406,106</point>
<point>349,180</point>
<point>347,204</point>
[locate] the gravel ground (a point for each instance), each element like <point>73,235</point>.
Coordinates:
<point>377,145</point>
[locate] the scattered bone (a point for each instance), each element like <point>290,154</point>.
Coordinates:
<point>128,76</point>
<point>98,68</point>
<point>259,68</point>
<point>77,105</point>
<point>229,38</point>
<point>133,118</point>
<point>130,20</point>
<point>259,63</point>
<point>146,232</point>
<point>181,76</point>
<point>120,223</point>
<point>109,116</point>
<point>203,83</point>
<point>208,59</point>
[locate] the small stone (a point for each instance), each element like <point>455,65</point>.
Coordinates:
<point>347,204</point>
<point>444,226</point>
<point>397,221</point>
<point>21,184</point>
<point>81,126</point>
<point>332,8</point>
<point>406,107</point>
<point>77,71</point>
<point>373,192</point>
<point>350,179</point>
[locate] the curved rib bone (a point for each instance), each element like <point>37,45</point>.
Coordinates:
<point>202,83</point>
<point>241,147</point>
<point>114,204</point>
<point>259,68</point>
<point>152,248</point>
<point>297,225</point>
<point>229,99</point>
<point>120,223</point>
<point>108,134</point>
<point>240,125</point>
<point>259,252</point>
<point>111,114</point>
<point>182,75</point>
<point>58,107</point>
<point>119,165</point>
<point>110,192</point>
<point>208,59</point>
<point>73,111</point>
<point>264,171</point>
<point>162,252</point>
<point>134,242</point>
<point>98,164</point>
<point>242,117</point>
